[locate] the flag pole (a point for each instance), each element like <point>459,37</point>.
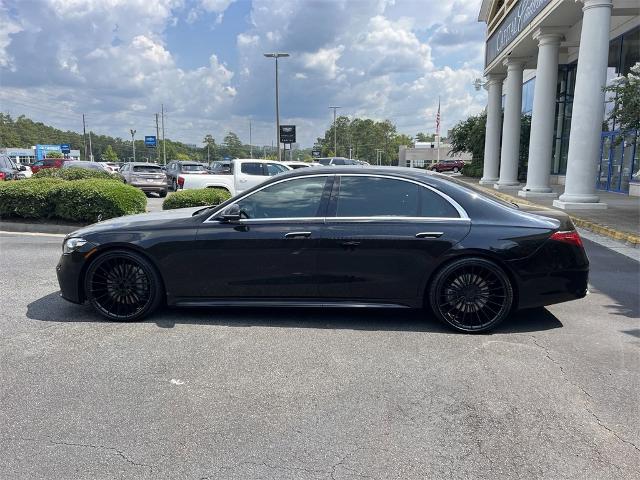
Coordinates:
<point>438,129</point>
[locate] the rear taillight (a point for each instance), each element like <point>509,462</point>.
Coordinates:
<point>570,237</point>
<point>181,181</point>
<point>3,176</point>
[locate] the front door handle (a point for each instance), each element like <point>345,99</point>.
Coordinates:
<point>297,235</point>
<point>429,234</point>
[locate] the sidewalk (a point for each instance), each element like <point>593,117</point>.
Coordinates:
<point>621,220</point>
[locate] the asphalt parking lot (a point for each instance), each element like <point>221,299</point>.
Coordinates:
<point>313,394</point>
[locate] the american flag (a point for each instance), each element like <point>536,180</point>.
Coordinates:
<point>438,119</point>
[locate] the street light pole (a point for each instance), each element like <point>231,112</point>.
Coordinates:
<point>276,56</point>
<point>335,132</point>
<point>133,142</point>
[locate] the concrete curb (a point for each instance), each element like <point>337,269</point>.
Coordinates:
<point>630,238</point>
<point>26,227</point>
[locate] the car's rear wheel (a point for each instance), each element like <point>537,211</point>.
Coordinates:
<point>456,169</point>
<point>471,295</point>
<point>162,193</point>
<point>174,185</point>
<point>123,286</point>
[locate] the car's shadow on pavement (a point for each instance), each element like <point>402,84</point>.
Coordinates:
<point>52,308</point>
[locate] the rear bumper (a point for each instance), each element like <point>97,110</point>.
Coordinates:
<point>151,188</point>
<point>556,273</point>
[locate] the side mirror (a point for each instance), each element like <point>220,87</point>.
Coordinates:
<point>231,213</point>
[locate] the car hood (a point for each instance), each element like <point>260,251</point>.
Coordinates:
<point>139,221</point>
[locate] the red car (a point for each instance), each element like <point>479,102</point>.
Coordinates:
<point>47,163</point>
<point>448,166</point>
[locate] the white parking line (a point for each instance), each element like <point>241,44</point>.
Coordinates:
<point>33,234</point>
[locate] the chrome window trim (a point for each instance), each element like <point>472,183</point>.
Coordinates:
<point>382,218</point>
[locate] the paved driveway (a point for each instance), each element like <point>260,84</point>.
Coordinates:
<point>306,394</point>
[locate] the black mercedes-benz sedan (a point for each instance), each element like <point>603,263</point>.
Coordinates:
<point>333,237</point>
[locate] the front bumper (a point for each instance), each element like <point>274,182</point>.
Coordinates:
<point>70,271</point>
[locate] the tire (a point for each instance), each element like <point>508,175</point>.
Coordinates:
<point>174,185</point>
<point>471,295</point>
<point>162,193</point>
<point>123,286</point>
<point>456,169</point>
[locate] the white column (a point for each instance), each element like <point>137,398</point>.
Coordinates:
<point>511,125</point>
<point>493,127</point>
<point>588,109</point>
<point>543,115</point>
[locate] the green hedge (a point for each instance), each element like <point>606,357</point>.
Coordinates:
<point>75,173</point>
<point>93,200</point>
<point>79,201</point>
<point>28,198</point>
<point>473,169</point>
<point>196,198</point>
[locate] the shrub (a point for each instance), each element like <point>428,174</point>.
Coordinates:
<point>28,198</point>
<point>474,169</point>
<point>75,173</point>
<point>95,199</point>
<point>196,198</point>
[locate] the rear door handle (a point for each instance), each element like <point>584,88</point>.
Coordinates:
<point>429,234</point>
<point>350,244</point>
<point>297,235</point>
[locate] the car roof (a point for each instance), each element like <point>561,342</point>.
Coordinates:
<point>142,163</point>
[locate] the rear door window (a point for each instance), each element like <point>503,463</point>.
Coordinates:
<point>147,169</point>
<point>251,168</point>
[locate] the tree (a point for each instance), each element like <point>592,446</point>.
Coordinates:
<point>109,155</point>
<point>625,96</point>
<point>232,146</point>
<point>54,154</point>
<point>181,156</point>
<point>425,137</point>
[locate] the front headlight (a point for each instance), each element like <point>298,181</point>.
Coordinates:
<point>72,244</point>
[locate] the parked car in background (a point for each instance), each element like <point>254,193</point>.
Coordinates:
<point>115,166</point>
<point>338,161</point>
<point>177,167</point>
<point>296,165</point>
<point>148,177</point>
<point>8,169</point>
<point>24,171</point>
<point>47,163</point>
<point>245,173</point>
<point>220,167</point>
<point>454,166</point>
<point>96,166</point>
<point>407,237</point>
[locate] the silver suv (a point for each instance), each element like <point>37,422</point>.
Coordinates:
<point>148,177</point>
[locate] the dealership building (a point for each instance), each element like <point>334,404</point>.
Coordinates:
<point>551,59</point>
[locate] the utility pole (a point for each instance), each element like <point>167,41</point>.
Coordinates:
<point>335,132</point>
<point>90,148</point>
<point>250,142</point>
<point>164,145</point>
<point>133,143</point>
<point>84,137</point>
<point>157,140</point>
<point>276,56</point>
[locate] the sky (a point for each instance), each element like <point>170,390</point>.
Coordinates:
<point>118,61</point>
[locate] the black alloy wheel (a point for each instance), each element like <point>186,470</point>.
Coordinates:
<point>471,295</point>
<point>123,286</point>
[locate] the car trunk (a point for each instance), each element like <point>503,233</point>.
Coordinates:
<point>565,220</point>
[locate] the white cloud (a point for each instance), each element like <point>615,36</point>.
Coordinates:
<point>376,58</point>
<point>324,61</point>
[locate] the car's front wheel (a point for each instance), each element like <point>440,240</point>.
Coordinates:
<point>123,286</point>
<point>471,295</point>
<point>456,169</point>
